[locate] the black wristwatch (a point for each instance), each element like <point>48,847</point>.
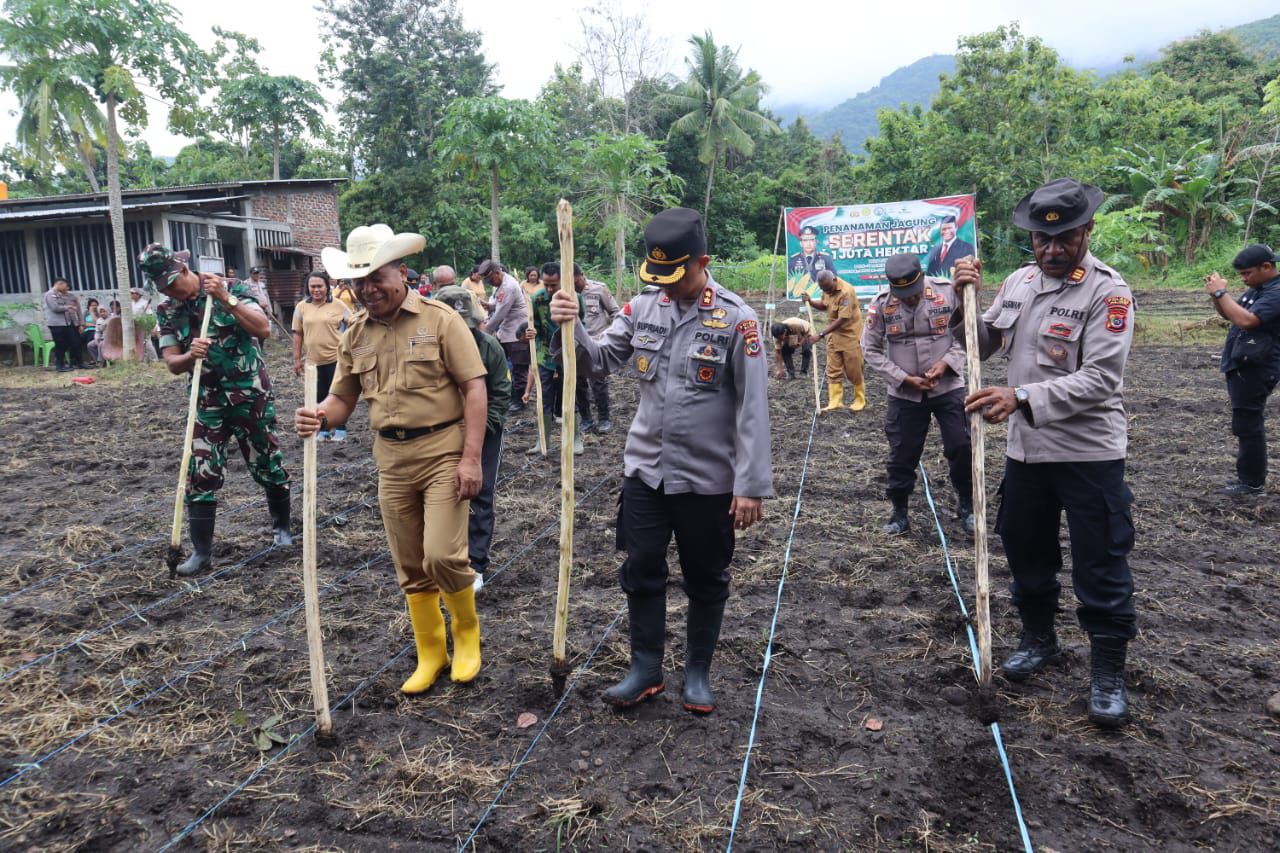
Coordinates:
<point>1219,293</point>
<point>1022,396</point>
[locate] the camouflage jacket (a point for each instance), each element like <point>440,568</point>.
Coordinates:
<point>234,362</point>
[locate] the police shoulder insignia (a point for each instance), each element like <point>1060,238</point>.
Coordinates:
<point>1117,313</point>
<point>708,298</point>
<point>1077,275</point>
<point>626,309</point>
<point>501,295</point>
<point>747,326</point>
<point>928,292</point>
<point>1030,275</point>
<point>751,341</point>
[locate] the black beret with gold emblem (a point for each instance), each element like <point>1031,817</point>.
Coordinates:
<point>1058,206</point>
<point>672,239</point>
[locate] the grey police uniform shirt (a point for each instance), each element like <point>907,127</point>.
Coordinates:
<point>509,311</point>
<point>601,307</point>
<point>702,425</point>
<point>900,341</point>
<point>59,308</point>
<point>1067,341</point>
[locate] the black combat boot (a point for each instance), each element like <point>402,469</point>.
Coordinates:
<point>898,523</point>
<point>964,512</point>
<point>703,632</point>
<point>278,507</point>
<point>1038,646</point>
<point>648,618</point>
<point>1108,700</point>
<point>200,521</point>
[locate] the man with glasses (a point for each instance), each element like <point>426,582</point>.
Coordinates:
<point>1250,359</point>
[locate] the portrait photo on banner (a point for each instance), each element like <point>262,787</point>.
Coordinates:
<point>855,240</point>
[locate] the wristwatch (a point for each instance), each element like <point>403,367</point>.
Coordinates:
<point>1219,293</point>
<point>1021,395</point>
<point>232,301</point>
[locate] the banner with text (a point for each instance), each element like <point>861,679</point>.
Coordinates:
<point>855,240</point>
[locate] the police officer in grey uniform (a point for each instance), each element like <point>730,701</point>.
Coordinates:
<point>908,339</point>
<point>507,321</point>
<point>697,458</point>
<point>1065,323</point>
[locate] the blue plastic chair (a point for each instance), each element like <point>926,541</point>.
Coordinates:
<point>40,348</point>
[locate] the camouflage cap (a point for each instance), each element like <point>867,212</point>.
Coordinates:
<point>162,266</point>
<point>459,299</point>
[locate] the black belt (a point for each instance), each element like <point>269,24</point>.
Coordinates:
<point>406,434</point>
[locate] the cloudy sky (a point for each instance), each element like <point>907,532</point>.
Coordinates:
<point>821,56</point>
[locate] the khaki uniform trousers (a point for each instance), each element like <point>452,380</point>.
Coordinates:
<point>426,527</point>
<point>844,359</point>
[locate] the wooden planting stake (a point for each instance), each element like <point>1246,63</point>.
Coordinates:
<point>537,381</point>
<point>813,366</point>
<point>174,555</point>
<point>569,382</point>
<point>311,596</point>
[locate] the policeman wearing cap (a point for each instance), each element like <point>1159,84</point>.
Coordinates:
<point>1250,359</point>
<point>508,321</point>
<point>417,365</point>
<point>1065,323</point>
<point>697,457</point>
<point>235,399</point>
<point>498,385</point>
<point>844,350</point>
<point>908,339</point>
<point>805,265</point>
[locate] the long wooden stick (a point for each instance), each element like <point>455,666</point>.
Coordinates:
<point>977,429</point>
<point>813,366</point>
<point>311,597</point>
<point>569,377</point>
<point>537,380</point>
<point>175,534</point>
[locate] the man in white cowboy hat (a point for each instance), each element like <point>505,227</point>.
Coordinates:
<point>416,363</point>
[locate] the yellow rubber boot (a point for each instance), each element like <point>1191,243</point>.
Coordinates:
<point>428,636</point>
<point>835,396</point>
<point>859,398</point>
<point>466,633</point>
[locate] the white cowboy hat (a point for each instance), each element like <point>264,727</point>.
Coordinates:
<point>369,247</point>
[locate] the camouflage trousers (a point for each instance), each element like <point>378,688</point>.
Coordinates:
<point>248,417</point>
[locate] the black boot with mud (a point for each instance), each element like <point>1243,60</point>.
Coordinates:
<point>898,522</point>
<point>964,513</point>
<point>1108,699</point>
<point>648,618</point>
<point>1039,646</point>
<point>200,523</point>
<point>703,634</point>
<point>278,507</point>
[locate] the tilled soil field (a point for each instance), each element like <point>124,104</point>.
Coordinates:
<point>135,709</point>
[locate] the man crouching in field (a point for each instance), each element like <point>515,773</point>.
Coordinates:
<point>416,363</point>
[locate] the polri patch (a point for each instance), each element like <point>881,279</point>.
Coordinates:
<point>747,326</point>
<point>751,340</point>
<point>1117,313</point>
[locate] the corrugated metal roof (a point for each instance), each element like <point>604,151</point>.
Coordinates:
<point>73,212</point>
<point>169,190</point>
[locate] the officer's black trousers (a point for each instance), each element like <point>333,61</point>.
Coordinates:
<point>806,356</point>
<point>906,423</point>
<point>480,522</point>
<point>518,354</point>
<point>593,389</point>
<point>704,539</point>
<point>1100,524</point>
<point>66,346</point>
<point>1248,389</point>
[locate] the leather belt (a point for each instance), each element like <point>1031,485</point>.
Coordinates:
<point>399,434</point>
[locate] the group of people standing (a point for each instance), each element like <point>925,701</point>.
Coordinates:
<point>441,375</point>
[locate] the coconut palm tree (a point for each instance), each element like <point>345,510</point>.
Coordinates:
<point>57,120</point>
<point>719,105</point>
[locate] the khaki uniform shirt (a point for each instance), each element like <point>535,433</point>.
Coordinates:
<point>1067,341</point>
<point>477,296</point>
<point>797,331</point>
<point>321,325</point>
<point>409,369</point>
<point>702,425</point>
<point>600,306</point>
<point>843,304</point>
<point>509,311</point>
<point>901,341</point>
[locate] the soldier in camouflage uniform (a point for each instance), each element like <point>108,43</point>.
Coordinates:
<point>235,392</point>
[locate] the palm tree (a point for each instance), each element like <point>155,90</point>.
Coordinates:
<point>57,120</point>
<point>719,104</point>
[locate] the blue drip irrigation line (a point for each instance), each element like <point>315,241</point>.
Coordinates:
<point>283,751</point>
<point>138,546</point>
<point>545,724</point>
<point>768,649</point>
<point>38,763</point>
<point>138,614</point>
<point>190,827</point>
<point>977,665</point>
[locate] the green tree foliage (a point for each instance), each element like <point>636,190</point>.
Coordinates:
<point>58,122</point>
<point>276,107</point>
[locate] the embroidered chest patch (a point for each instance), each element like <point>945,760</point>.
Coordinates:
<point>1060,330</point>
<point>1117,313</point>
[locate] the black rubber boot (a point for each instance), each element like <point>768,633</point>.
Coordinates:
<point>1108,700</point>
<point>964,512</point>
<point>1038,646</point>
<point>648,617</point>
<point>703,632</point>
<point>898,523</point>
<point>278,507</point>
<point>200,522</point>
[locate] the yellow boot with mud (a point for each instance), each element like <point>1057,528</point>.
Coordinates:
<point>466,633</point>
<point>859,398</point>
<point>428,636</point>
<point>835,396</point>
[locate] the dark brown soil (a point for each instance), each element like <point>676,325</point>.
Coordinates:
<point>868,630</point>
